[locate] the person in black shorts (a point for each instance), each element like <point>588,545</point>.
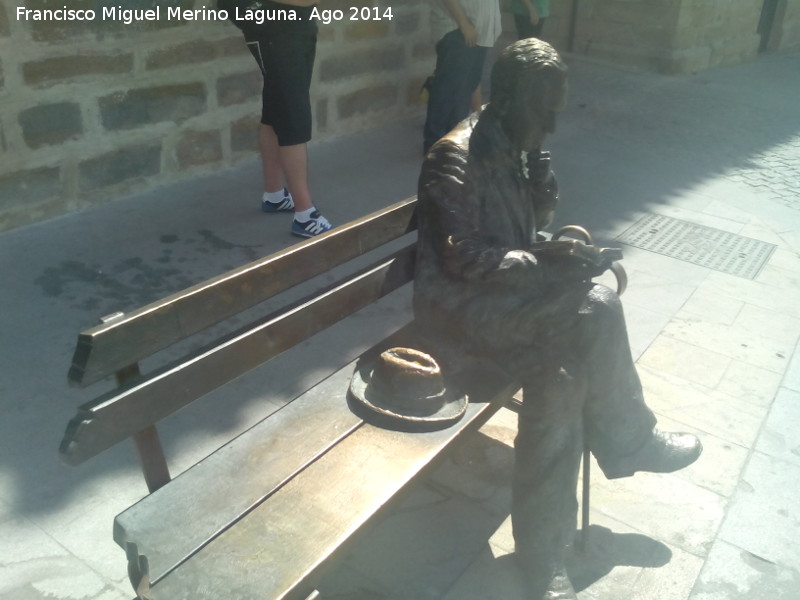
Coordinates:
<point>284,50</point>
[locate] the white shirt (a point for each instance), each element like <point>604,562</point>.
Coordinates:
<point>484,15</point>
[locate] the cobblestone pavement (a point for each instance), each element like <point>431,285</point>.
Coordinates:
<point>775,173</point>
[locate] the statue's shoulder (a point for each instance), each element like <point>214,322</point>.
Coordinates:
<point>452,149</point>
<point>445,165</point>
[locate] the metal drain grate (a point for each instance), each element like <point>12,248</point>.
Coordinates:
<point>699,245</point>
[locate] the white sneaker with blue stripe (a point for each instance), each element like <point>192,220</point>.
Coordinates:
<point>286,204</point>
<point>316,225</point>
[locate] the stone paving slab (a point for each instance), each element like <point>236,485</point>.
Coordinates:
<point>791,379</point>
<point>763,515</point>
<point>780,436</point>
<point>731,573</point>
<point>34,565</point>
<point>675,357</point>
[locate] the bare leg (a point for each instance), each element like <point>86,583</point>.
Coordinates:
<point>294,162</point>
<point>290,162</point>
<point>270,159</point>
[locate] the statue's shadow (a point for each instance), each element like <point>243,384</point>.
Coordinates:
<point>502,577</point>
<point>605,550</point>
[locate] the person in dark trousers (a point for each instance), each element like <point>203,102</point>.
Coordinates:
<point>466,30</point>
<point>529,17</point>
<point>285,50</point>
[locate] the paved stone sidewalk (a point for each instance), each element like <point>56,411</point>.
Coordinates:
<point>775,173</point>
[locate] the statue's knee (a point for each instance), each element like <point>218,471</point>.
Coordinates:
<point>601,295</point>
<point>604,305</point>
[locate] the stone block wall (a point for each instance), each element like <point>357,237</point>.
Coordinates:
<point>785,34</point>
<point>710,34</point>
<point>670,36</point>
<point>90,110</point>
<point>632,32</point>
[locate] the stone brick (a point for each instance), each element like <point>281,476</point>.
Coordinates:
<point>244,135</point>
<point>50,124</point>
<point>199,148</point>
<point>64,68</point>
<point>188,53</point>
<point>688,61</point>
<point>3,21</point>
<point>29,186</point>
<point>127,110</point>
<point>413,92</point>
<point>326,34</point>
<point>373,60</point>
<point>120,165</point>
<point>232,46</point>
<point>52,30</point>
<point>366,100</point>
<point>239,88</point>
<point>321,114</point>
<point>364,30</point>
<point>424,51</point>
<point>344,5</point>
<point>406,23</point>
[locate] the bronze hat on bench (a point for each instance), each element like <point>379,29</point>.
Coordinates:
<point>404,389</point>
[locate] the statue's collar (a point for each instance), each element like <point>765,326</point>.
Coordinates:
<point>490,143</point>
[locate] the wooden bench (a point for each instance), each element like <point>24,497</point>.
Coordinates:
<point>266,514</point>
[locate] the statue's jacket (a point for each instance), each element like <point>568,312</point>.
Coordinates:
<point>479,279</point>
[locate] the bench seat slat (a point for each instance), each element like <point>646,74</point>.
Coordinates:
<point>175,520</point>
<point>114,417</point>
<point>278,550</point>
<point>103,350</point>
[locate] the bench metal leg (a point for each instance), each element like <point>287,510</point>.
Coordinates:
<point>147,442</point>
<point>587,465</point>
<point>151,456</point>
<point>138,572</point>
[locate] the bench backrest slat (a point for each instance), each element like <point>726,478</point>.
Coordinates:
<point>122,341</point>
<point>120,414</point>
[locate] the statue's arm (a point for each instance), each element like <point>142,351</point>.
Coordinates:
<point>451,212</point>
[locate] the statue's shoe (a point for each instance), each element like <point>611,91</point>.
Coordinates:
<point>552,584</point>
<point>664,452</point>
<point>560,588</point>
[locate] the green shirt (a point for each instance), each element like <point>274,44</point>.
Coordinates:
<point>542,8</point>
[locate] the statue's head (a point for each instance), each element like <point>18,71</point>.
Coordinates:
<point>529,87</point>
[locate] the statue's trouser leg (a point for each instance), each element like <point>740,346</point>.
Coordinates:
<point>547,455</point>
<point>617,422</point>
<point>585,388</point>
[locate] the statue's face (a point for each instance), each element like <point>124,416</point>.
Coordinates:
<point>532,114</point>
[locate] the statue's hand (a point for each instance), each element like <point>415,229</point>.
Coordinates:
<point>571,260</point>
<point>594,261</point>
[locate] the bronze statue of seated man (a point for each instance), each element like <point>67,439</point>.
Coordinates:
<point>485,285</point>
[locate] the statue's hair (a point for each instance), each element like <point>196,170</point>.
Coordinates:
<point>520,58</point>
